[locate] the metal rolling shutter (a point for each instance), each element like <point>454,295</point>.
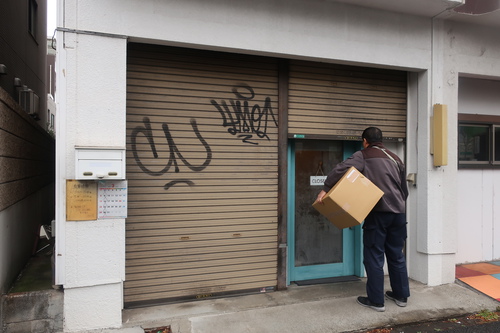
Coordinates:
<point>338,101</point>
<point>202,165</point>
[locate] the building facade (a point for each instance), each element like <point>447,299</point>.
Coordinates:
<point>24,56</point>
<point>224,114</point>
<point>27,152</point>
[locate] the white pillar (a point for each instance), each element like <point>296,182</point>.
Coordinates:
<point>90,255</point>
<point>434,205</point>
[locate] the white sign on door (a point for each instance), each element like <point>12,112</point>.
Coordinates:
<point>317,180</point>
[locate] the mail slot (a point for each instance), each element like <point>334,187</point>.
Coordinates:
<point>100,163</point>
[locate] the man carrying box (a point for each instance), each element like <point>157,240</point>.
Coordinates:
<point>384,229</point>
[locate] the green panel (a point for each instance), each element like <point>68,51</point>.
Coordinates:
<point>350,147</point>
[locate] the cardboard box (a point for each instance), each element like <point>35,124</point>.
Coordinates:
<point>349,202</point>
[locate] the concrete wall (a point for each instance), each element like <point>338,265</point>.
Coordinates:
<point>90,256</point>
<point>458,50</point>
<point>19,230</point>
<point>92,112</point>
<point>468,51</point>
<point>35,311</point>
<point>478,190</point>
<point>292,28</point>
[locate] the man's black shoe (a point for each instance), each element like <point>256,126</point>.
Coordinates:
<point>364,301</point>
<point>399,301</point>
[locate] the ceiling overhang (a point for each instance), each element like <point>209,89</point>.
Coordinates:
<point>481,12</point>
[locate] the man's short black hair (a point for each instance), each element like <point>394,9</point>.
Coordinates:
<point>372,135</point>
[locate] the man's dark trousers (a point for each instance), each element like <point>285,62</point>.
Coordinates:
<point>385,233</point>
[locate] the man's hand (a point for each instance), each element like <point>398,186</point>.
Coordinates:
<point>320,197</point>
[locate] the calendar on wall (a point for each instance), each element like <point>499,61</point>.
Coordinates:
<point>112,199</point>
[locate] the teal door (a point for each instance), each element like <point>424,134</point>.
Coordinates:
<point>316,248</point>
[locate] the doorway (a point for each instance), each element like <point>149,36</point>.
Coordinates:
<point>316,248</point>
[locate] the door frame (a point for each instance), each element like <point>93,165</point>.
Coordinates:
<point>354,250</point>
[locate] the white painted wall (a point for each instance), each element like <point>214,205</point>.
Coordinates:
<point>458,50</point>
<point>478,190</point>
<point>92,307</point>
<point>295,28</point>
<point>90,257</point>
<point>479,95</point>
<point>91,84</point>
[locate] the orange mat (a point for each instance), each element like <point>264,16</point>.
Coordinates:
<point>484,277</point>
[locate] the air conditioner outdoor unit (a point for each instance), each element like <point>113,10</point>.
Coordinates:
<point>29,102</point>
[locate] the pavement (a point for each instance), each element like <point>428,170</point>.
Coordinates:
<point>324,308</point>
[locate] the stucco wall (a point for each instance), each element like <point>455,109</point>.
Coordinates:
<point>478,190</point>
<point>90,257</point>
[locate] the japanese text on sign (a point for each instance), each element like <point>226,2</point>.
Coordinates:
<point>81,200</point>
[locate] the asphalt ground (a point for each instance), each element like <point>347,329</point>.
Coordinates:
<point>483,321</point>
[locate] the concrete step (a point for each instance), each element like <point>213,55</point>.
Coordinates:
<point>34,311</point>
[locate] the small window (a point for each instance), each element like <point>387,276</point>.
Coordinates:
<point>473,143</point>
<point>478,141</point>
<point>32,17</point>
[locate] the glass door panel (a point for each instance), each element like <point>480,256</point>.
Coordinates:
<point>317,241</point>
<point>317,249</point>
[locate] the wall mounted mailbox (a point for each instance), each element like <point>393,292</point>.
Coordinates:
<point>100,163</point>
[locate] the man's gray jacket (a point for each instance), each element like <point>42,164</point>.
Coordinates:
<point>388,174</point>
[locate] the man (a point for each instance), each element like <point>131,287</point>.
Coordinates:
<point>384,229</point>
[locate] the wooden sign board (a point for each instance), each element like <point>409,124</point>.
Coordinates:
<point>81,200</point>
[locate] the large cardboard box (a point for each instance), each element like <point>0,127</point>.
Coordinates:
<point>349,202</point>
